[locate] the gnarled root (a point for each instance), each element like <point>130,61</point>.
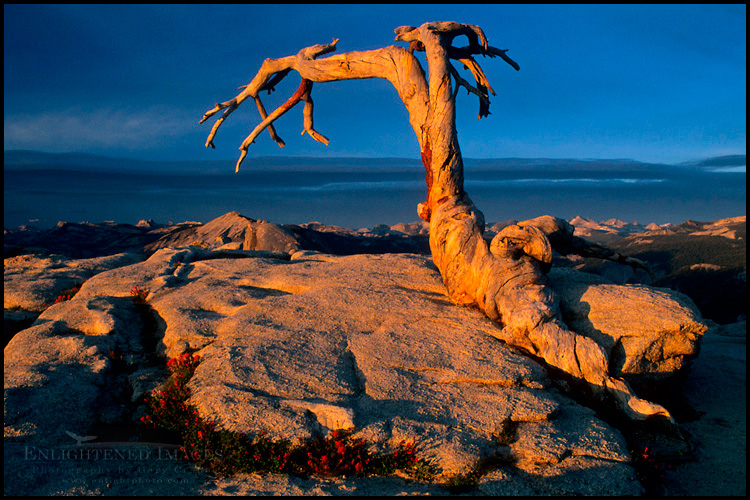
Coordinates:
<point>506,280</point>
<point>559,232</point>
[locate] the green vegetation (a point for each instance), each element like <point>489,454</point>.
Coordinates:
<point>670,253</point>
<point>68,293</point>
<point>463,482</point>
<point>139,294</point>
<point>719,289</point>
<point>225,452</point>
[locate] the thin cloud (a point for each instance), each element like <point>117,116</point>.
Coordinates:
<point>79,129</point>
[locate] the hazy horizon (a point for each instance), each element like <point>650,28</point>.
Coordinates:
<point>414,157</point>
<point>364,197</point>
<point>18,157</point>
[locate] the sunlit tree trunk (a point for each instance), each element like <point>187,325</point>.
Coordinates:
<point>504,278</point>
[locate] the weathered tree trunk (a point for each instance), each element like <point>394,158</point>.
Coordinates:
<point>506,278</point>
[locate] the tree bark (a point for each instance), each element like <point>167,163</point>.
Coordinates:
<point>506,278</point>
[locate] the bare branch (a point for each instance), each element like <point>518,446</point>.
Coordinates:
<point>391,63</point>
<point>314,51</point>
<point>271,128</point>
<point>289,104</point>
<point>478,43</point>
<point>215,128</point>
<point>308,118</point>
<point>493,51</point>
<point>483,85</point>
<point>463,52</point>
<point>482,82</point>
<point>448,30</point>
<point>233,104</point>
<point>407,34</point>
<point>275,79</point>
<point>473,33</point>
<point>484,100</point>
<point>219,106</point>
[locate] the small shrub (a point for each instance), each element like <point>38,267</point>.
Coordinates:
<point>68,293</point>
<point>167,407</point>
<point>225,452</point>
<point>340,454</point>
<point>649,470</point>
<point>462,482</point>
<point>139,294</point>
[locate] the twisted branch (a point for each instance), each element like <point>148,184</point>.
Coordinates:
<point>304,87</point>
<point>480,91</point>
<point>233,104</point>
<point>308,118</point>
<point>267,80</point>
<point>478,44</point>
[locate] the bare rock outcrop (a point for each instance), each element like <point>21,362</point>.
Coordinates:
<point>604,231</point>
<point>235,231</point>
<point>57,373</point>
<point>33,282</point>
<point>231,230</point>
<point>297,346</point>
<point>647,332</point>
<point>297,342</point>
<point>706,261</point>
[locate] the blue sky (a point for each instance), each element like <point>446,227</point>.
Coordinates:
<point>651,83</point>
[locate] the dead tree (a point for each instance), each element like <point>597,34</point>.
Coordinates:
<point>505,278</point>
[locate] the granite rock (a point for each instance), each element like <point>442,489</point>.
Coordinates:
<point>33,282</point>
<point>302,344</point>
<point>647,332</point>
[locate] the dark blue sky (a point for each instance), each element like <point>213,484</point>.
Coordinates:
<point>651,83</point>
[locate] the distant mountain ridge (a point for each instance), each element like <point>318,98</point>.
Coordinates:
<point>704,260</point>
<point>719,161</point>
<point>732,228</point>
<point>36,160</point>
